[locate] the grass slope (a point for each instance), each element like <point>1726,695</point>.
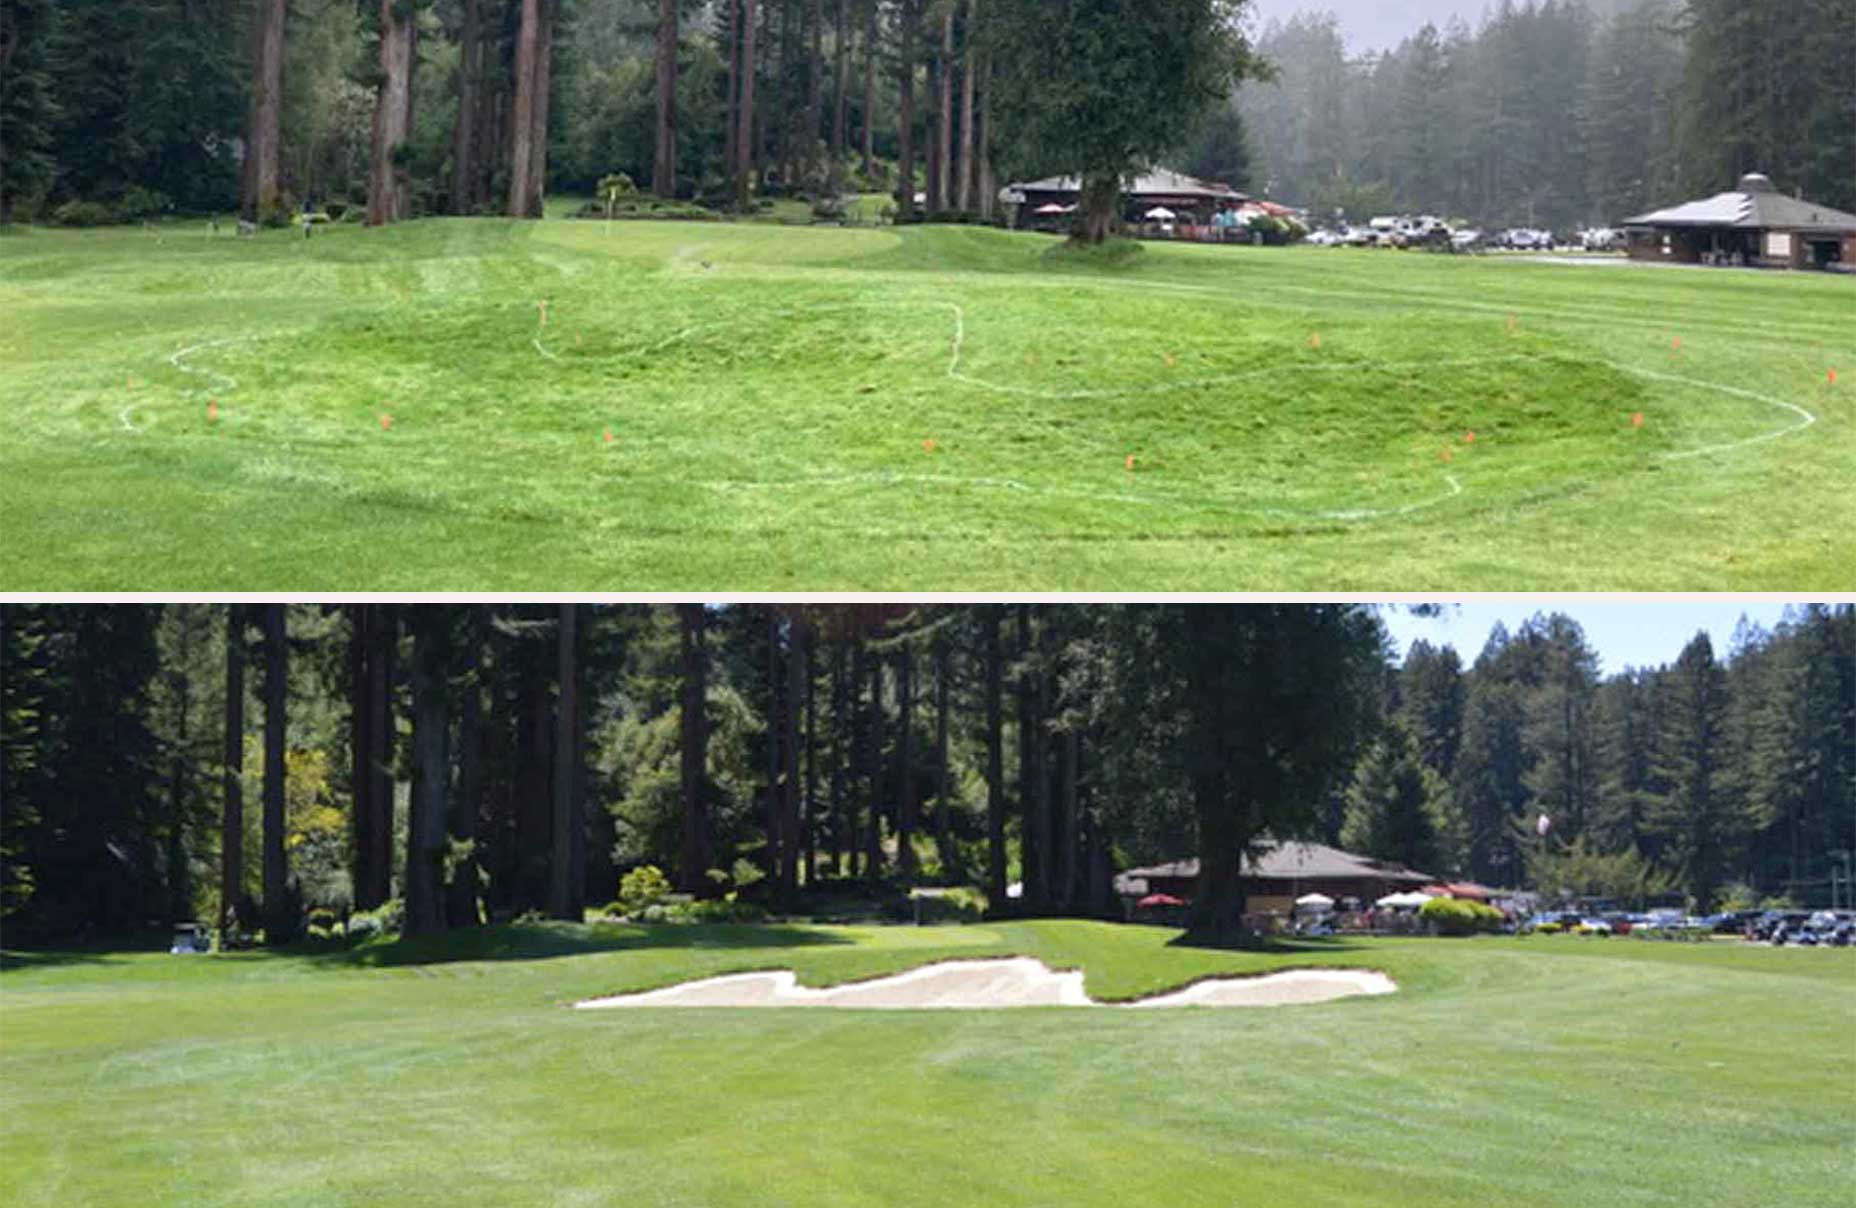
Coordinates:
<point>1536,1072</point>
<point>925,408</point>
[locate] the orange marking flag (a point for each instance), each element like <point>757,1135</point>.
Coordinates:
<point>212,411</point>
<point>1636,420</point>
<point>386,421</point>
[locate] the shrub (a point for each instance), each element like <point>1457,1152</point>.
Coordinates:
<point>643,886</point>
<point>84,214</point>
<point>389,918</point>
<point>730,909</point>
<point>1454,916</point>
<point>962,904</point>
<point>137,202</point>
<point>323,918</point>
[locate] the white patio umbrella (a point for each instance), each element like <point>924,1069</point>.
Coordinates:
<point>1400,901</point>
<point>1161,214</point>
<point>1315,901</point>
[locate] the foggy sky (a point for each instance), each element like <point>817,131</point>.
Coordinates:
<point>1372,24</point>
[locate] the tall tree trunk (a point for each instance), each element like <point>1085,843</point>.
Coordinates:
<point>932,201</point>
<point>995,760</point>
<point>744,130</point>
<point>840,750</point>
<point>464,134</point>
<point>461,893</point>
<point>858,718</point>
<point>945,846</point>
<point>431,728</point>
<point>279,915</point>
<point>544,100</point>
<point>260,201</point>
<point>383,631</point>
<point>1097,210</point>
<point>873,832</point>
<point>1038,888</point>
<point>232,810</point>
<point>840,102</point>
<point>360,775</point>
<point>905,116</point>
<point>815,92</point>
<point>968,69</point>
<point>791,705</point>
<point>387,180</point>
<point>730,157</point>
<point>1028,769</point>
<point>566,758</point>
<point>982,151</point>
<point>1072,833</point>
<point>944,131</point>
<point>694,739</point>
<point>664,162</point>
<point>775,806</point>
<point>905,765</point>
<point>522,109</point>
<point>869,114</point>
<point>809,823</point>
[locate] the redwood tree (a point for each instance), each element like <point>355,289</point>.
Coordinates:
<point>694,732</point>
<point>664,159</point>
<point>388,178</point>
<point>232,815</point>
<point>260,201</point>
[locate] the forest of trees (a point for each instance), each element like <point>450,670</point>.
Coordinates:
<point>1558,112</point>
<point>1551,112</point>
<point>412,107</point>
<point>477,762</point>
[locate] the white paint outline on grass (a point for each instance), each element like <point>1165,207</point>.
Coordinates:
<point>992,984</point>
<point>225,383</point>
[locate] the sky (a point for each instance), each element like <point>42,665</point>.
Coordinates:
<point>1624,633</point>
<point>1373,24</point>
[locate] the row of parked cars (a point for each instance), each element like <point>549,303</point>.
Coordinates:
<point>1432,232</point>
<point>1822,928</point>
<point>1808,929</point>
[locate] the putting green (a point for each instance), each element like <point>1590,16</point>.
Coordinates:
<point>841,400</point>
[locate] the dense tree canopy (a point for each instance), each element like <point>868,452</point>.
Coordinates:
<point>482,761</point>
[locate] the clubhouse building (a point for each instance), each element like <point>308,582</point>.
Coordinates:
<point>1193,201</point>
<point>1754,225</point>
<point>1275,874</point>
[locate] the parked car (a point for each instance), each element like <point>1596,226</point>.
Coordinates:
<point>1592,927</point>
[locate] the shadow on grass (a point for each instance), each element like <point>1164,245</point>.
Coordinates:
<point>1271,945</point>
<point>544,941</point>
<point>13,960</point>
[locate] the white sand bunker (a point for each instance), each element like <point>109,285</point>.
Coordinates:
<point>988,984</point>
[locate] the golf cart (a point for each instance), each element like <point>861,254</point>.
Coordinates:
<point>190,939</point>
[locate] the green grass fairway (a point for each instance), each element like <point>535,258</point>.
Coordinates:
<point>1547,1071</point>
<point>926,408</point>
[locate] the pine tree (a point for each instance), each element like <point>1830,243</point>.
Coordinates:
<point>1702,828</point>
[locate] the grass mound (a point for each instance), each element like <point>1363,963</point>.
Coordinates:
<point>729,405</point>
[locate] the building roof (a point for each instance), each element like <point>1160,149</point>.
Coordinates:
<point>1294,861</point>
<point>1755,205</point>
<point>1162,182</point>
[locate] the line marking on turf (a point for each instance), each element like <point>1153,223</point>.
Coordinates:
<point>1805,418</point>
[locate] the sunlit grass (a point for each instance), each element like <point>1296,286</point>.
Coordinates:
<point>1545,1071</point>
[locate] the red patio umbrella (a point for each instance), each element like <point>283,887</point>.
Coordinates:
<point>1158,899</point>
